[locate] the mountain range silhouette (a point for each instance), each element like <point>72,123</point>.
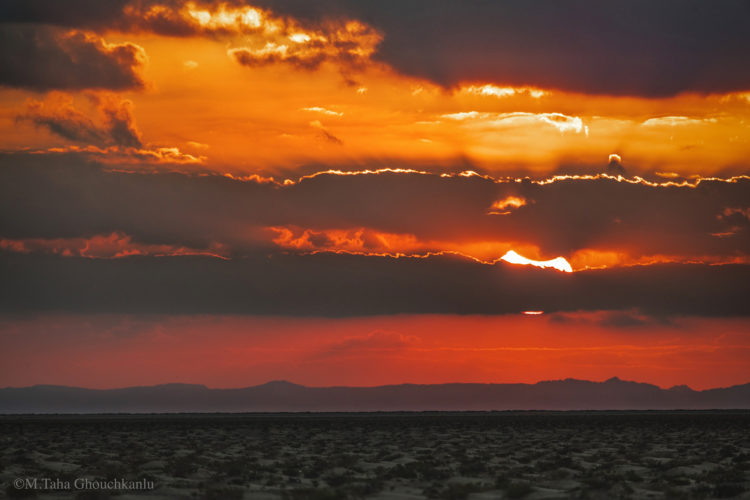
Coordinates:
<point>283,396</point>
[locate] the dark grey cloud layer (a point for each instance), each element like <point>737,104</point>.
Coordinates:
<point>621,47</point>
<point>60,196</point>
<point>350,285</point>
<point>45,58</point>
<point>70,13</point>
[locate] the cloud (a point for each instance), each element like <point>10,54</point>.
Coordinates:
<point>676,121</point>
<point>321,258</point>
<point>501,92</point>
<point>591,222</point>
<point>743,214</point>
<point>115,125</point>
<point>72,13</point>
<point>357,346</point>
<point>355,285</point>
<point>111,246</point>
<point>349,45</point>
<point>554,45</point>
<point>561,122</point>
<point>632,319</point>
<point>698,47</point>
<point>629,319</point>
<point>321,110</point>
<point>43,58</point>
<point>614,166</point>
<point>325,133</point>
<point>133,158</point>
<point>505,205</point>
<point>111,136</point>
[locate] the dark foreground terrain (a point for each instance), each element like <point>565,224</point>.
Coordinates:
<point>386,456</point>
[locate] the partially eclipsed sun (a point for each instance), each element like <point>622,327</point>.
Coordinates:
<point>558,263</point>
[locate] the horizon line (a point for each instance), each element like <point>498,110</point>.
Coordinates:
<point>284,381</point>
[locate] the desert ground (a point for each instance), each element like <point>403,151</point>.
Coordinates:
<point>475,456</point>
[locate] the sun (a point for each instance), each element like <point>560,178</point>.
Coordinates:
<point>558,263</point>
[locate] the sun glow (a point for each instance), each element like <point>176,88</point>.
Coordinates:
<point>558,263</point>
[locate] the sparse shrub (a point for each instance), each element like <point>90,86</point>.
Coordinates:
<point>234,468</point>
<point>728,490</point>
<point>559,474</point>
<point>314,494</point>
<point>472,468</point>
<point>725,475</point>
<point>223,493</point>
<point>597,481</point>
<point>316,470</point>
<point>456,491</point>
<point>363,489</point>
<point>92,495</point>
<point>404,471</point>
<point>429,472</point>
<point>675,494</point>
<point>523,459</point>
<point>633,476</point>
<point>14,492</point>
<point>336,480</point>
<point>432,491</point>
<point>679,481</point>
<point>518,489</point>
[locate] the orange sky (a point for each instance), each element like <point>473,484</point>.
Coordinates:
<point>285,112</point>
<point>374,151</point>
<point>104,351</point>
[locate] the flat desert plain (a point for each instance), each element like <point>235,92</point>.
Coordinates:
<point>493,455</point>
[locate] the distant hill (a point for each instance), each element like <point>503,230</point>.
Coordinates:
<point>281,396</point>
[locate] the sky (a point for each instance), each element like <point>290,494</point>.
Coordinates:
<point>365,193</point>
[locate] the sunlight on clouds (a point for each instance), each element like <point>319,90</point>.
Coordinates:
<point>511,202</point>
<point>348,44</point>
<point>239,19</point>
<point>561,122</point>
<point>500,92</point>
<point>675,121</point>
<point>321,110</point>
<point>104,246</point>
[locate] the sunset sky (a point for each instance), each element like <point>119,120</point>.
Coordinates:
<point>366,192</point>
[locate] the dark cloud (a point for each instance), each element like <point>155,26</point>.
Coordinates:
<point>560,218</point>
<point>305,61</point>
<point>624,319</point>
<point>125,15</point>
<point>71,13</point>
<point>66,122</point>
<point>44,58</point>
<point>620,47</point>
<point>116,124</point>
<point>351,285</point>
<point>43,196</point>
<point>330,137</point>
